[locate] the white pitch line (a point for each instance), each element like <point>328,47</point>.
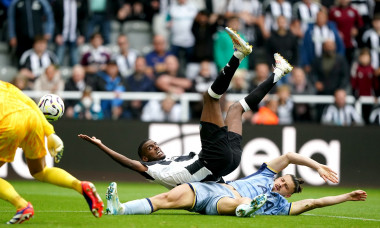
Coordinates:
<point>344,217</point>
<point>55,211</point>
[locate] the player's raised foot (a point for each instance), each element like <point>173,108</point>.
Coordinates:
<point>93,199</point>
<point>22,215</point>
<point>247,210</point>
<point>239,44</point>
<point>113,203</point>
<point>282,64</point>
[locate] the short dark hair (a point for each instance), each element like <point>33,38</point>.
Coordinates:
<point>297,183</point>
<point>139,149</point>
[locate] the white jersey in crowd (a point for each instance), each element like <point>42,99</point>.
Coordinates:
<point>174,171</point>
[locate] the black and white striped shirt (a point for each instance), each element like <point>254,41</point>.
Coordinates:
<point>345,116</point>
<point>174,171</point>
<point>37,65</point>
<point>372,40</point>
<point>305,14</point>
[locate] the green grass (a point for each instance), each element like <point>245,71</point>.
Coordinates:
<point>59,207</point>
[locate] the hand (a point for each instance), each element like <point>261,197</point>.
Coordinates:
<point>92,139</point>
<point>327,174</point>
<point>55,147</point>
<point>358,195</point>
<point>59,40</point>
<point>13,42</point>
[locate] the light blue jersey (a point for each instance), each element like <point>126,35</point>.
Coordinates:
<point>261,182</point>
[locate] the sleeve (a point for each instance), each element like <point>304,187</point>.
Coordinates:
<point>11,20</point>
<point>267,170</point>
<point>49,28</point>
<point>307,49</point>
<point>48,128</point>
<point>284,207</point>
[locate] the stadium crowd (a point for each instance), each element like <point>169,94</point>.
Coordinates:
<point>178,46</point>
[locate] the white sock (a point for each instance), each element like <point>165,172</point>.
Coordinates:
<point>137,207</point>
<point>244,105</point>
<point>213,94</point>
<point>277,75</point>
<point>239,55</point>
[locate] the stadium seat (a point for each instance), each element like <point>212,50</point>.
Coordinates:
<point>7,73</point>
<point>139,34</point>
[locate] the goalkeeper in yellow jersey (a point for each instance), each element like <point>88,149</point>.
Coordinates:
<point>23,125</point>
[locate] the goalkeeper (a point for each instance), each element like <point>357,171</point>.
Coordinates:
<point>23,125</point>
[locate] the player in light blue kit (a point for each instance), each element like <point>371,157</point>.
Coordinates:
<point>259,193</point>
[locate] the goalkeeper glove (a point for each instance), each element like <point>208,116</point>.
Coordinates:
<point>55,146</point>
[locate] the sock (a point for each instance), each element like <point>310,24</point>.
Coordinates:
<point>137,207</point>
<point>239,55</point>
<point>278,74</point>
<point>221,83</point>
<point>59,177</point>
<point>8,193</point>
<point>259,93</point>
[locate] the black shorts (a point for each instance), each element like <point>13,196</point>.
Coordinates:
<point>221,149</point>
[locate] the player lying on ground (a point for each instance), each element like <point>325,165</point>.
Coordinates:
<point>258,193</point>
<point>22,124</point>
<point>220,139</point>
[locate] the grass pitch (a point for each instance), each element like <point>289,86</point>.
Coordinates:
<point>59,207</point>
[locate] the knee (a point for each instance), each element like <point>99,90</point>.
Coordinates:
<point>38,175</point>
<point>236,108</point>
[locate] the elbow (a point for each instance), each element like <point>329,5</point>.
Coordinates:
<point>290,155</point>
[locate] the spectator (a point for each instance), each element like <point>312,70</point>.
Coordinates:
<point>223,46</point>
<point>96,58</point>
<point>349,22</point>
<point>203,29</point>
<point>165,111</point>
<point>371,39</point>
<point>171,81</point>
<point>330,71</point>
<point>155,59</point>
<point>137,82</point>
<point>50,81</point>
<point>70,17</point>
<point>201,83</point>
<point>239,82</point>
<point>282,41</point>
<point>86,109</point>
<point>100,14</point>
<point>299,85</point>
<point>304,13</point>
<point>181,16</point>
<point>249,13</point>
<point>135,10</point>
<point>21,82</point>
<point>77,82</point>
<point>285,105</point>
<point>340,113</point>
<point>365,8</point>
<point>28,19</point>
<point>315,35</point>
<point>126,58</point>
<point>272,10</point>
<point>34,61</point>
<point>112,81</point>
<point>267,113</point>
<point>363,80</point>
<point>261,74</point>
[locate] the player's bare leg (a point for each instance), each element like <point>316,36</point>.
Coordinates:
<point>227,205</point>
<point>180,197</point>
<point>233,118</point>
<point>60,177</point>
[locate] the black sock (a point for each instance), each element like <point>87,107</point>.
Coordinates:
<point>259,93</point>
<point>221,83</point>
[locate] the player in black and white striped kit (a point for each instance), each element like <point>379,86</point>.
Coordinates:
<point>220,138</point>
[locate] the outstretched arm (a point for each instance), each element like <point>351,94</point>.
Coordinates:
<point>119,158</point>
<point>302,206</point>
<point>280,163</point>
